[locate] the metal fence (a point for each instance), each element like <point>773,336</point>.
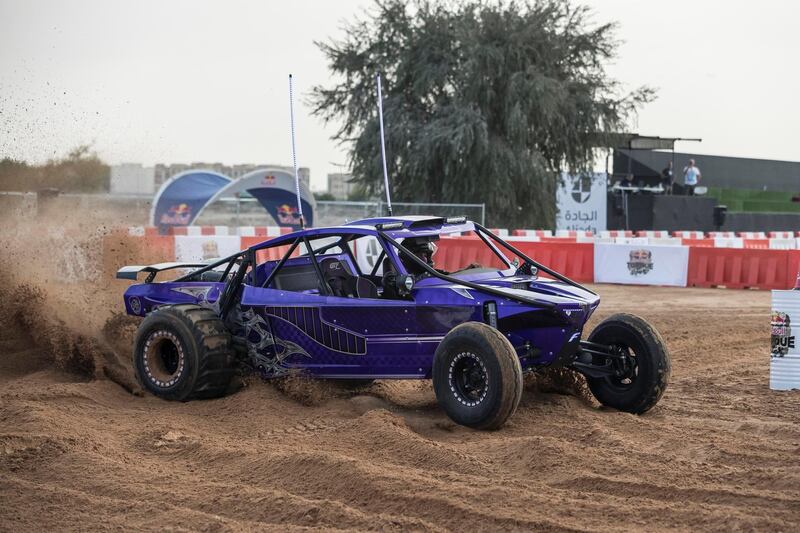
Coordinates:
<point>135,210</point>
<point>248,212</point>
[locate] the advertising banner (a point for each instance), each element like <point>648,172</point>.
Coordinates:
<point>181,199</point>
<point>581,202</point>
<point>784,368</point>
<point>205,247</point>
<point>641,264</point>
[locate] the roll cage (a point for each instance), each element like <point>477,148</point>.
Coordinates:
<point>387,234</point>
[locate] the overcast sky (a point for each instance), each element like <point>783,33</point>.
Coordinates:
<point>182,81</point>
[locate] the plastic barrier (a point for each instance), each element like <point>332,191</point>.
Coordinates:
<point>702,243</point>
<point>689,234</point>
<point>760,244</point>
<point>270,254</point>
<point>728,242</point>
<point>572,259</point>
<point>740,268</point>
<point>615,233</point>
<point>573,233</point>
<point>205,247</point>
<point>781,234</point>
<point>653,234</point>
<point>532,233</point>
<point>752,234</point>
<point>793,268</point>
<point>666,241</point>
<point>783,244</point>
<point>722,234</point>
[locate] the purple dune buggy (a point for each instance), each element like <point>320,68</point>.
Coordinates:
<point>364,301</point>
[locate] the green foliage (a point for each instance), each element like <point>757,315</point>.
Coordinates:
<point>483,101</point>
<point>324,196</point>
<point>81,170</point>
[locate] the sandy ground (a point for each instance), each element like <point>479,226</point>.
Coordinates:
<point>78,451</point>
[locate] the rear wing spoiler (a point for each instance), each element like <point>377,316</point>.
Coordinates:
<point>131,272</point>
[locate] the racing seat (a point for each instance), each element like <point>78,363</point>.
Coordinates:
<point>343,284</point>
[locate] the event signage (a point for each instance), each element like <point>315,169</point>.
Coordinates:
<point>581,202</point>
<point>784,369</point>
<point>641,264</point>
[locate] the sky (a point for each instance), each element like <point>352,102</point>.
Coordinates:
<point>177,81</point>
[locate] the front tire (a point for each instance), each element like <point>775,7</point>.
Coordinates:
<point>183,352</point>
<point>477,376</point>
<point>647,374</point>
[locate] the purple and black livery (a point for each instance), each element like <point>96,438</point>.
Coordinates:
<point>313,309</point>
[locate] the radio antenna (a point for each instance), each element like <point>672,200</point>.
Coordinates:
<point>294,155</point>
<point>383,144</point>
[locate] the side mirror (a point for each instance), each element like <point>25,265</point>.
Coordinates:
<point>404,284</point>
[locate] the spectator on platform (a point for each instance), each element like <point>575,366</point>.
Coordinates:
<point>628,181</point>
<point>691,175</point>
<point>667,178</point>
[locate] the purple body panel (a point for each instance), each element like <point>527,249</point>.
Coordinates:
<point>330,336</point>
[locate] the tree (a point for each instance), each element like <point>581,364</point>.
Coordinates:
<point>81,170</point>
<point>483,101</point>
<point>324,196</point>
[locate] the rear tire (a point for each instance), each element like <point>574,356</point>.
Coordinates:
<point>649,376</point>
<point>183,352</point>
<point>477,376</point>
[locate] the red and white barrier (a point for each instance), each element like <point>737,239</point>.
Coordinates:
<point>653,234</point>
<point>752,235</point>
<point>532,233</point>
<point>781,235</point>
<point>784,244</point>
<point>574,234</point>
<point>733,262</point>
<point>615,234</point>
<point>689,234</point>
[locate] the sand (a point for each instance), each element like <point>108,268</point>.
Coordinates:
<point>81,448</point>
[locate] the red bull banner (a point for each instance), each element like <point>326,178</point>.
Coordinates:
<point>182,197</point>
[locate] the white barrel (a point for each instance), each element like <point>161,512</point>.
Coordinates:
<point>784,368</point>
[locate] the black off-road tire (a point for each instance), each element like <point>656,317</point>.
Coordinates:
<point>477,350</point>
<point>653,366</point>
<point>183,352</point>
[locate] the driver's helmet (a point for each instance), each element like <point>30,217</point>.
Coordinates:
<point>422,247</point>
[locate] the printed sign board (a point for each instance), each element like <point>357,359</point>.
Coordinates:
<point>641,264</point>
<point>581,202</point>
<point>784,369</point>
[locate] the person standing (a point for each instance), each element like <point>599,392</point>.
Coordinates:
<point>666,178</point>
<point>691,175</point>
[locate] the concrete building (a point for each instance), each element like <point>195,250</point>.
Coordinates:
<point>132,179</point>
<point>340,186</point>
<point>165,171</point>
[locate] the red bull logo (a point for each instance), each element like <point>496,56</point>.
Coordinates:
<point>177,215</point>
<point>781,333</point>
<point>640,262</point>
<point>287,215</point>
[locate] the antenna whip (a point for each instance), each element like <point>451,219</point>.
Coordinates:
<point>294,155</point>
<point>383,144</point>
